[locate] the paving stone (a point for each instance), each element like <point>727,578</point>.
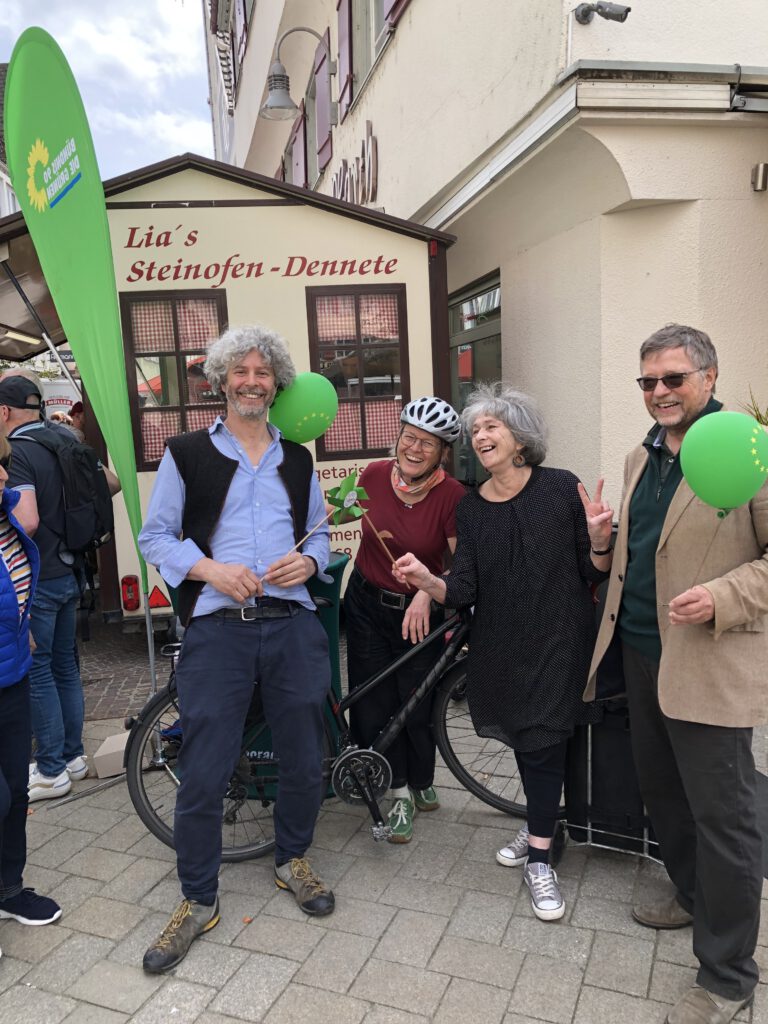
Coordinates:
<point>236,913</point>
<point>411,938</point>
<point>389,1015</point>
<point>43,879</point>
<point>357,916</point>
<point>253,878</point>
<point>136,880</point>
<point>255,987</point>
<point>670,981</point>
<point>606,915</point>
<point>547,989</point>
<point>485,841</point>
<point>116,986</point>
<point>333,832</point>
<point>93,862</point>
<point>59,849</point>
<point>292,939</point>
<point>609,877</point>
<point>210,964</point>
<point>414,894</point>
<point>82,816</point>
<point>515,1018</point>
<point>675,945</point>
<point>486,876</point>
<point>30,944</point>
<point>123,835</point>
<point>431,828</point>
<point>620,963</point>
<point>760,1006</point>
<point>40,832</point>
<point>368,878</point>
<point>150,846</point>
<point>477,961</point>
<point>599,1006</point>
<point>217,1018</point>
<point>470,1000</point>
<point>558,940</point>
<point>330,865</point>
<point>114,797</point>
<point>430,862</point>
<point>164,896</point>
<point>481,916</point>
<point>130,950</point>
<point>107,918</point>
<point>77,954</point>
<point>401,986</point>
<point>22,1005</point>
<point>11,970</point>
<point>362,844</point>
<point>300,1005</point>
<point>73,892</point>
<point>177,1001</point>
<point>85,1013</point>
<point>336,961</point>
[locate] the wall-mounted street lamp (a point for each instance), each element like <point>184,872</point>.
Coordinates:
<point>278,105</point>
<point>584,13</point>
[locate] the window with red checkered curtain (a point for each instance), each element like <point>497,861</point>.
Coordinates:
<point>165,336</point>
<point>359,341</point>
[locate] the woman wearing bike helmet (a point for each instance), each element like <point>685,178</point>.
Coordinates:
<point>412,502</point>
<point>525,560</point>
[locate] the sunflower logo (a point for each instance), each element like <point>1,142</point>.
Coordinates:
<point>37,155</point>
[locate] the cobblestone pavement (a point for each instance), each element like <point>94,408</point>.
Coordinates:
<point>431,931</point>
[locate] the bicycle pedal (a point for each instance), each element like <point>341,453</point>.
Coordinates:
<point>381,832</point>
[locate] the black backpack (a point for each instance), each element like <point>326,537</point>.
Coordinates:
<point>89,520</point>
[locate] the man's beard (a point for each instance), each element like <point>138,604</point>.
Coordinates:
<point>251,412</point>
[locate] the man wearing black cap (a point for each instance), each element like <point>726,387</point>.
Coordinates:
<point>55,685</point>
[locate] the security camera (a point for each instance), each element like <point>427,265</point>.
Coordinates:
<point>584,13</point>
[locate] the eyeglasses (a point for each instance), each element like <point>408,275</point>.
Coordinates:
<point>671,381</point>
<point>411,441</point>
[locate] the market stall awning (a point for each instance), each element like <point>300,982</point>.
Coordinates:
<point>20,335</point>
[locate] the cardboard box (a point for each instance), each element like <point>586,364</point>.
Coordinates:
<point>108,759</point>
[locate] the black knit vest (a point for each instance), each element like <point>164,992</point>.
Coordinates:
<point>207,475</point>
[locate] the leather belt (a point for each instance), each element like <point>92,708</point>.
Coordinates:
<point>267,608</point>
<point>387,598</point>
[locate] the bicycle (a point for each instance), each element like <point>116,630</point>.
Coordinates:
<point>485,767</point>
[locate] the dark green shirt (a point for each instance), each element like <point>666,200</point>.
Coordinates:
<point>648,507</point>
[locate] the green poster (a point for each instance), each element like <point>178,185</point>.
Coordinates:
<point>56,178</point>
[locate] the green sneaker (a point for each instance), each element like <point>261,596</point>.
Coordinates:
<point>426,799</point>
<point>400,821</point>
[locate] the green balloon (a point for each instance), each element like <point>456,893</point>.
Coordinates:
<point>306,409</point>
<point>724,458</point>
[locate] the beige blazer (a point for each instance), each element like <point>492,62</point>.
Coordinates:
<point>715,673</point>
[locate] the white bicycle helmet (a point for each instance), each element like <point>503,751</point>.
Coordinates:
<point>433,415</point>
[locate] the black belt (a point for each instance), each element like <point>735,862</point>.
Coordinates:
<point>387,598</point>
<point>266,608</point>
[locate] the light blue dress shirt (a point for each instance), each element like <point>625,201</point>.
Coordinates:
<point>255,527</point>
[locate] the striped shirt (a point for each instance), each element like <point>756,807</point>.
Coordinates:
<point>16,561</point>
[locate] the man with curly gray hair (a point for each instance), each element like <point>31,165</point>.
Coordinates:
<point>228,503</point>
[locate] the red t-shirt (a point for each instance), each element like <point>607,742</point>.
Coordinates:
<point>423,528</point>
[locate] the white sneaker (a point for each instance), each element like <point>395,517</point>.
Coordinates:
<point>77,768</point>
<point>516,853</point>
<point>41,787</point>
<point>546,899</point>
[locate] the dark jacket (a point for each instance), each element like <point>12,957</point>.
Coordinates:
<point>15,655</point>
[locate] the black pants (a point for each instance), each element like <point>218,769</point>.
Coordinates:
<point>15,752</point>
<point>220,659</point>
<point>374,641</point>
<point>698,783</point>
<point>541,773</point>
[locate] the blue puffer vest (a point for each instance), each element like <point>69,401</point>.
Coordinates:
<point>15,656</point>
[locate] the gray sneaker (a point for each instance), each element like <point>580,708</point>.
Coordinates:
<point>516,853</point>
<point>188,920</point>
<point>312,895</point>
<point>546,899</point>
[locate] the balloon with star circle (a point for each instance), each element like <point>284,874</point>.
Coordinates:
<point>306,409</point>
<point>724,458</point>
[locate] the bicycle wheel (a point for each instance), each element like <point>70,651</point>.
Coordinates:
<point>247,829</point>
<point>486,767</point>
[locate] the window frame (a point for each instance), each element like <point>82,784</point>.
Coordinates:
<point>127,300</point>
<point>356,290</point>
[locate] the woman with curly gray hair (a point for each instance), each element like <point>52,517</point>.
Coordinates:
<point>525,559</point>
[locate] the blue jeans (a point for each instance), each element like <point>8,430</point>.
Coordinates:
<point>15,744</point>
<point>56,690</point>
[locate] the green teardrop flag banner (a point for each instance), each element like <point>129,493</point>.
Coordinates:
<point>56,178</point>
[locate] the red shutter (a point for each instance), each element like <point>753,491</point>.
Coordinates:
<point>298,146</point>
<point>344,15</point>
<point>393,9</point>
<point>323,103</point>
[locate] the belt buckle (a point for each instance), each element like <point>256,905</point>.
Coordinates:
<point>392,600</point>
<point>249,608</point>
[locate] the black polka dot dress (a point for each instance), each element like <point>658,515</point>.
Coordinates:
<point>525,566</point>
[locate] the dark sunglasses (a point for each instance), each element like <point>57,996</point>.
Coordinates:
<point>671,381</point>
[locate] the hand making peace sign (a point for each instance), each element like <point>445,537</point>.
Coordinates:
<point>599,517</point>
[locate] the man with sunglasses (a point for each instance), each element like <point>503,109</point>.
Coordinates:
<point>689,595</point>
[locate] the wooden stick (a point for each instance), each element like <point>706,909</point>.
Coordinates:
<point>390,556</point>
<point>306,535</point>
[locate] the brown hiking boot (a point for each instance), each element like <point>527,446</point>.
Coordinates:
<point>188,920</point>
<point>311,894</point>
